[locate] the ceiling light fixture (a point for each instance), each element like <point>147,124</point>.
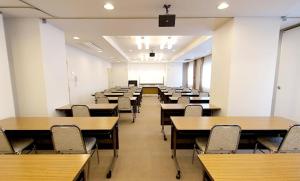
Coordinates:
<point>108,6</point>
<point>139,41</point>
<point>76,38</point>
<point>93,46</point>
<point>223,5</point>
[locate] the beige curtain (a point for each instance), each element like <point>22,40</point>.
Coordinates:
<point>185,74</point>
<point>197,73</point>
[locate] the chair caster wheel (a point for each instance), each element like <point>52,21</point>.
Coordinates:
<point>172,156</point>
<point>165,138</point>
<point>178,175</point>
<point>108,175</point>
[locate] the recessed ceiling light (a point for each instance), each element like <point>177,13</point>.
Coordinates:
<point>99,51</point>
<point>109,6</point>
<point>76,38</point>
<point>223,5</point>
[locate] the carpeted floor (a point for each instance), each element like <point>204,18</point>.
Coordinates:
<point>143,154</point>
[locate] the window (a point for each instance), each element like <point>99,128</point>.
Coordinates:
<point>190,74</point>
<point>206,74</point>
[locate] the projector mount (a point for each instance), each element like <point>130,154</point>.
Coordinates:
<point>167,6</point>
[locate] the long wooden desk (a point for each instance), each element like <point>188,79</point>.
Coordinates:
<point>105,129</point>
<point>252,127</point>
<point>192,100</point>
<point>168,110</point>
<point>95,110</point>
<point>46,167</point>
<point>249,167</point>
<point>166,96</point>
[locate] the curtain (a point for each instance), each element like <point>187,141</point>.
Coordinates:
<point>206,74</point>
<point>191,74</point>
<point>184,74</point>
<point>197,73</point>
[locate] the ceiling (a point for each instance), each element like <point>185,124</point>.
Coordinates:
<point>112,31</point>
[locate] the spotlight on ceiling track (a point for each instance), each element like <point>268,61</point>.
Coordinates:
<point>167,20</point>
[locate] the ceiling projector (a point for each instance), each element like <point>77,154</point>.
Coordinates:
<point>152,54</point>
<point>167,20</point>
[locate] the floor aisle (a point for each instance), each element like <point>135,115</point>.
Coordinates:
<point>143,154</point>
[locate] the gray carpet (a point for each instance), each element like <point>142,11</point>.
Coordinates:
<point>143,154</point>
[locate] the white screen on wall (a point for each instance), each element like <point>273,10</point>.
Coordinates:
<point>147,73</point>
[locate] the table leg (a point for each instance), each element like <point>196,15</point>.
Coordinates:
<point>178,175</point>
<point>115,156</point>
<point>163,132</point>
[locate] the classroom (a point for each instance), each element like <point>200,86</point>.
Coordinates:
<point>142,90</point>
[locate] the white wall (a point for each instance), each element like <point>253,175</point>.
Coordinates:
<point>174,74</point>
<point>253,66</point>
<point>25,55</point>
<point>252,60</point>
<point>6,95</point>
<point>147,72</point>
<point>288,96</point>
<point>221,60</point>
<point>119,75</point>
<point>55,67</point>
<point>87,74</point>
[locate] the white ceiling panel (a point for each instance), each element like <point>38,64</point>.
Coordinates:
<point>129,27</point>
<point>151,8</point>
<point>12,3</point>
<point>23,12</point>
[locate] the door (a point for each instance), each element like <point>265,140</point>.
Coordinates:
<point>287,100</point>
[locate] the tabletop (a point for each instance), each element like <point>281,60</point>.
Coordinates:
<point>249,167</point>
<point>46,167</point>
<point>246,123</point>
<point>45,123</point>
<point>182,106</point>
<point>91,106</point>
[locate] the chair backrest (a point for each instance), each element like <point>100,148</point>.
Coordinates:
<point>203,94</point>
<point>99,94</point>
<point>176,94</point>
<point>68,139</point>
<point>102,100</point>
<point>80,111</point>
<point>183,100</point>
<point>128,94</point>
<point>194,91</point>
<point>193,110</point>
<point>5,146</point>
<point>223,139</point>
<point>291,142</point>
<point>186,89</point>
<point>124,103</point>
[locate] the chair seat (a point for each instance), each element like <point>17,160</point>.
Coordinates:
<point>20,144</point>
<point>201,143</point>
<point>270,143</point>
<point>90,142</point>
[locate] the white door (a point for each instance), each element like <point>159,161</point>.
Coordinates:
<point>288,86</point>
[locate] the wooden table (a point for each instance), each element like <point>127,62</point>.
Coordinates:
<point>46,167</point>
<point>168,110</point>
<point>252,127</point>
<point>38,128</point>
<point>95,110</point>
<point>166,96</point>
<point>192,100</point>
<point>249,167</point>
